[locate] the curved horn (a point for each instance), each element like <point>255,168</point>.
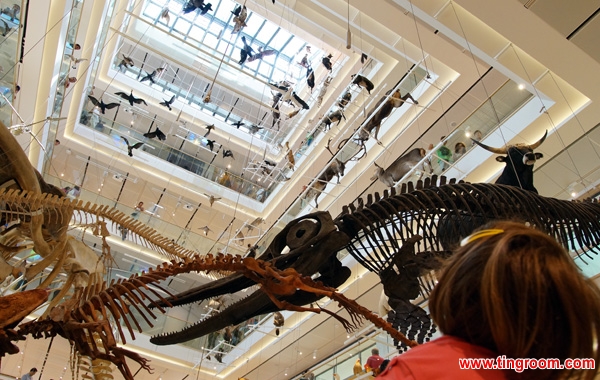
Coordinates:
<point>540,141</point>
<point>491,149</point>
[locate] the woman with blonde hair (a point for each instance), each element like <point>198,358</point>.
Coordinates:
<point>508,293</point>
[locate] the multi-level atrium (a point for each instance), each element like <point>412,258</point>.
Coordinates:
<point>508,69</point>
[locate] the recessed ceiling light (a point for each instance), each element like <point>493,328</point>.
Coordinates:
<point>521,86</point>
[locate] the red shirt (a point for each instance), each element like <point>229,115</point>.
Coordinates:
<point>374,361</point>
<point>438,359</point>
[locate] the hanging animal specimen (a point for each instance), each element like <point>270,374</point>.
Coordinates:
<point>193,5</point>
<point>130,148</point>
<point>228,153</point>
<point>382,110</point>
<point>156,134</point>
<point>310,78</point>
<point>101,105</point>
<point>130,98</point>
<point>246,51</point>
<point>326,61</point>
<point>212,199</point>
<point>125,62</point>
<point>209,128</point>
<point>167,103</point>
<point>323,90</point>
<point>152,75</point>
<point>261,54</point>
<point>241,13</point>
<point>363,82</point>
<point>401,166</point>
<point>346,98</point>
<point>164,14</point>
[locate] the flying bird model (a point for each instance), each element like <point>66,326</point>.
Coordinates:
<point>261,54</point>
<point>156,134</point>
<point>239,124</point>
<point>151,76</point>
<point>208,129</point>
<point>245,52</point>
<point>212,199</point>
<point>210,144</point>
<point>241,13</point>
<point>130,98</point>
<point>125,62</point>
<point>167,103</point>
<point>205,229</point>
<point>130,148</point>
<point>228,153</point>
<point>310,78</point>
<point>100,104</point>
<point>164,14</point>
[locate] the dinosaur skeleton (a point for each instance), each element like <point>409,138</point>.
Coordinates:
<point>89,324</point>
<point>401,237</point>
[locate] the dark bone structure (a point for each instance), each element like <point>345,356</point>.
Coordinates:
<point>401,237</point>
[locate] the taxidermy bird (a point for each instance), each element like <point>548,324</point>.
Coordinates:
<point>130,148</point>
<point>126,61</point>
<point>275,112</point>
<point>100,104</point>
<point>363,58</point>
<point>310,78</point>
<point>151,76</point>
<point>130,98</point>
<point>345,99</point>
<point>164,14</point>
<point>278,321</point>
<point>363,82</point>
<point>6,29</point>
<point>304,61</point>
<point>192,5</point>
<point>238,124</point>
<point>210,144</point>
<point>205,229</point>
<point>327,62</point>
<point>254,128</point>
<point>270,163</point>
<point>167,103</point>
<point>245,52</point>
<point>156,134</point>
<point>212,199</point>
<point>208,129</point>
<point>290,156</point>
<point>241,13</point>
<point>228,153</point>
<point>261,54</point>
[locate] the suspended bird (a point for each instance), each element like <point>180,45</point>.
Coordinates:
<point>151,76</point>
<point>254,128</point>
<point>261,54</point>
<point>100,104</point>
<point>310,78</point>
<point>241,13</point>
<point>6,29</point>
<point>165,15</point>
<point>270,163</point>
<point>204,9</point>
<point>363,58</point>
<point>130,148</point>
<point>130,98</point>
<point>212,199</point>
<point>245,51</point>
<point>238,124</point>
<point>205,229</point>
<point>156,134</point>
<point>126,61</point>
<point>210,144</point>
<point>228,153</point>
<point>208,129</point>
<point>327,62</point>
<point>363,82</point>
<point>167,103</point>
<point>304,61</point>
<point>192,5</point>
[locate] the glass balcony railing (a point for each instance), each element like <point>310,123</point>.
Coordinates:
<point>181,159</point>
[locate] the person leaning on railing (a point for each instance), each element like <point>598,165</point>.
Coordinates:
<point>507,290</point>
